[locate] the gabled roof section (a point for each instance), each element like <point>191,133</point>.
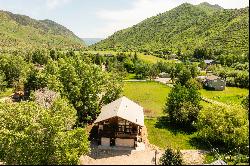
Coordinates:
<point>123,108</point>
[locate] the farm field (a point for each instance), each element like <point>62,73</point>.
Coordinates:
<point>146,58</point>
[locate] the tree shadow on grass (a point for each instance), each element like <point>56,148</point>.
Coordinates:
<point>165,123</point>
<point>200,143</point>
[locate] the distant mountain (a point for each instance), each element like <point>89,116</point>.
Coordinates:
<point>19,31</point>
<point>90,41</point>
<point>185,28</point>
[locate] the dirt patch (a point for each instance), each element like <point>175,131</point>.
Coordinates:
<point>147,111</point>
<point>193,157</point>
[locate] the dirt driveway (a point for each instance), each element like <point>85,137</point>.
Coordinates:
<point>146,157</point>
<point>119,157</point>
<point>128,157</point>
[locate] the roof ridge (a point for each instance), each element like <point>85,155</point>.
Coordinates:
<point>120,104</point>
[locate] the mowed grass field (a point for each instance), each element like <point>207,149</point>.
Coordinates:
<point>152,96</point>
<point>166,135</point>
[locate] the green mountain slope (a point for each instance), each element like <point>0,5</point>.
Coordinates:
<point>185,28</point>
<point>19,31</point>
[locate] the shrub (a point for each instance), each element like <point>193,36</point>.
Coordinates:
<point>245,102</point>
<point>224,125</point>
<point>171,157</point>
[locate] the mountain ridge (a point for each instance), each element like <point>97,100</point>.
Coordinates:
<point>21,31</point>
<point>185,28</point>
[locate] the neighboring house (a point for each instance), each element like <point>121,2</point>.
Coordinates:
<point>39,67</point>
<point>18,96</point>
<point>214,83</point>
<point>104,67</point>
<point>108,55</point>
<point>120,124</point>
<point>163,80</point>
<point>164,75</point>
<point>201,78</point>
<point>209,62</point>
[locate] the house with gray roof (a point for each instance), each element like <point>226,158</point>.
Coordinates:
<point>213,82</point>
<point>209,62</point>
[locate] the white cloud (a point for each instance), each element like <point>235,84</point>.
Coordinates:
<point>142,9</point>
<point>52,4</point>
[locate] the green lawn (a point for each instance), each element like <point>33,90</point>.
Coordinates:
<point>150,95</point>
<point>229,95</point>
<point>167,136</point>
<point>7,93</point>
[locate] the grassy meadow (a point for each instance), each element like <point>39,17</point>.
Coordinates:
<point>165,135</point>
<point>231,95</point>
<point>152,96</point>
<point>146,58</point>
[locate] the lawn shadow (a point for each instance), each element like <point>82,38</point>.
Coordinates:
<point>164,122</point>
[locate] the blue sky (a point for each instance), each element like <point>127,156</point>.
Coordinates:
<point>100,18</point>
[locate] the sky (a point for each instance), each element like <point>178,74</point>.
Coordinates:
<point>101,18</point>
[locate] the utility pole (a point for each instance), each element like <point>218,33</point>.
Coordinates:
<point>155,157</point>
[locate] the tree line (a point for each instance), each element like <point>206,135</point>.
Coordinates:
<point>63,92</point>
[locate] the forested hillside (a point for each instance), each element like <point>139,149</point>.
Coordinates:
<point>186,28</point>
<point>20,32</point>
